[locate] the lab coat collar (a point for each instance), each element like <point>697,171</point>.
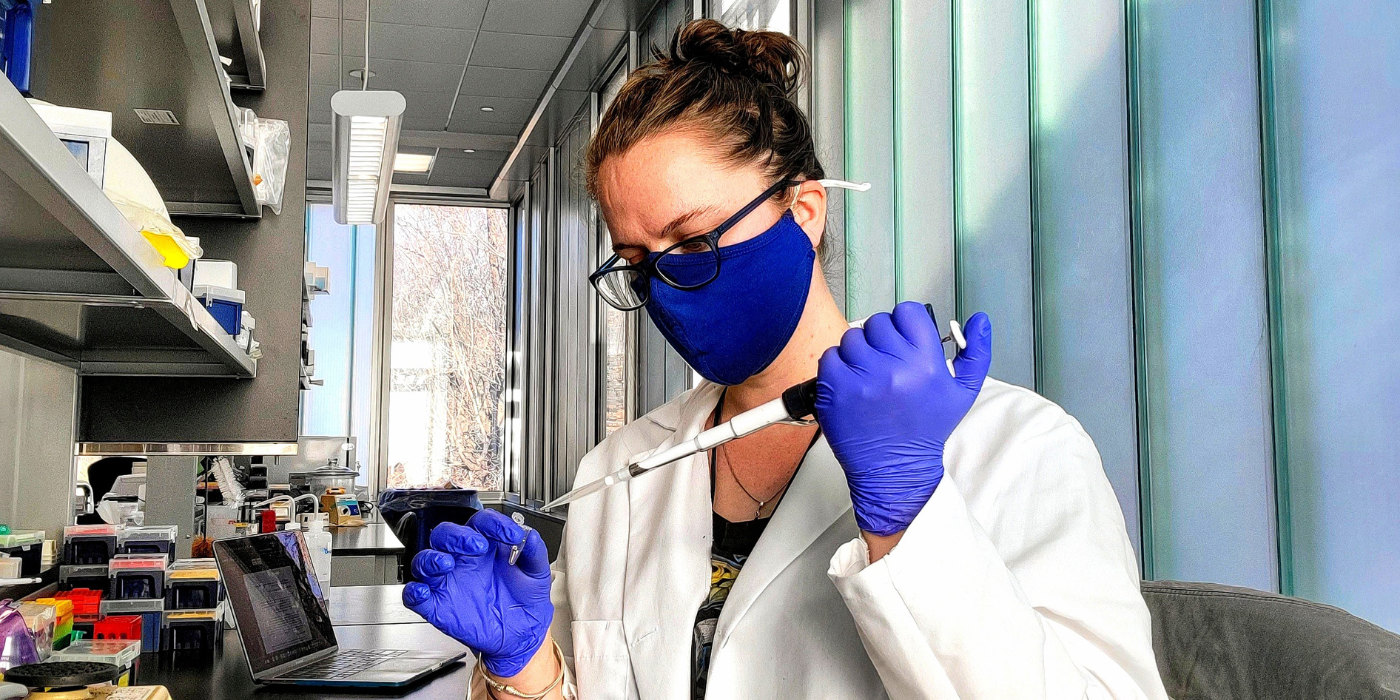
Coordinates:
<point>817,497</point>
<point>668,561</point>
<point>668,554</point>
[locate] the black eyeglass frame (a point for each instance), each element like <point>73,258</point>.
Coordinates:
<point>648,268</point>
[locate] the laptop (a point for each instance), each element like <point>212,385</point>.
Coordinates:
<point>286,627</point>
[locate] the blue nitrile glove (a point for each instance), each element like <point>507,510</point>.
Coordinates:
<point>887,404</point>
<point>472,593</point>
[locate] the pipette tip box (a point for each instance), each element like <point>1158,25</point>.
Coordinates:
<point>149,539</point>
<point>122,653</point>
<point>192,630</point>
<point>89,544</point>
<point>137,576</point>
<point>192,586</point>
<point>151,613</point>
<point>92,576</point>
<point>28,547</point>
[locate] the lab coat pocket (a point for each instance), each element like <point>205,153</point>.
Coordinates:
<point>602,668</point>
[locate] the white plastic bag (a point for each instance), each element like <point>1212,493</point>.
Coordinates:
<point>270,152</point>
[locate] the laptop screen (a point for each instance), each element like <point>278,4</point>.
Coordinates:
<point>276,598</point>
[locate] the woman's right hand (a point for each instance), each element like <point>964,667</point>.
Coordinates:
<point>472,593</point>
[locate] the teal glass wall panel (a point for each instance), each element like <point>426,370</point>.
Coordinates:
<point>923,156</point>
<point>1080,159</point>
<point>870,157</point>
<point>1204,311</point>
<point>992,118</point>
<point>1336,87</point>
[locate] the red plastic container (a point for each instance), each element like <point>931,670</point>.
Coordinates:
<point>86,602</point>
<point>118,627</point>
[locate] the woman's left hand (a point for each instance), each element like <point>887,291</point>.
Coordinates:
<point>887,405</point>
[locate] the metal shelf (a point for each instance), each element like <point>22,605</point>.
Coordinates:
<point>78,284</point>
<point>237,38</point>
<point>152,55</point>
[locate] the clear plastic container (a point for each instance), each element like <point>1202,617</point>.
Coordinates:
<point>26,546</point>
<point>148,539</point>
<point>42,621</point>
<point>192,584</point>
<point>138,576</point>
<point>89,544</point>
<point>192,630</point>
<point>123,653</point>
<point>151,611</point>
<point>94,576</point>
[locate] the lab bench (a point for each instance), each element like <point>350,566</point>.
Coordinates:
<point>367,617</point>
<point>364,556</point>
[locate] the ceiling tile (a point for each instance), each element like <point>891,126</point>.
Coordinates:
<point>325,8</point>
<point>426,110</point>
<point>410,178</point>
<point>518,51</point>
<point>464,170</point>
<point>464,125</point>
<point>506,110</point>
<point>319,115</point>
<point>457,14</point>
<point>505,82</point>
<point>323,36</point>
<point>409,43</point>
<point>325,69</point>
<point>318,136</point>
<point>320,100</point>
<point>410,76</point>
<point>546,17</point>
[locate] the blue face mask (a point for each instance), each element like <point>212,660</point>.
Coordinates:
<point>735,326</point>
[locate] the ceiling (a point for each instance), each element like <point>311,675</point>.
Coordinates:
<point>450,59</point>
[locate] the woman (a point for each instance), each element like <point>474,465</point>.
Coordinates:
<point>880,553</point>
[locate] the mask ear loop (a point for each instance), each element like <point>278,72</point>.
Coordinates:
<point>845,185</point>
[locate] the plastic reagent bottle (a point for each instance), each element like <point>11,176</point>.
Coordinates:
<point>319,542</point>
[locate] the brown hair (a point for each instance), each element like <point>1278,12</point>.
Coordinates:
<point>733,85</point>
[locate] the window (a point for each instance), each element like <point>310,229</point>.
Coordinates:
<point>448,345</point>
<point>617,325</point>
<point>769,15</point>
<point>341,333</point>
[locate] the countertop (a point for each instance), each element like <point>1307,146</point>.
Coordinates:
<point>374,539</point>
<point>224,675</point>
<point>365,617</point>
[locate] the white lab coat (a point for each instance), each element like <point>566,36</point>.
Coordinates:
<point>1017,580</point>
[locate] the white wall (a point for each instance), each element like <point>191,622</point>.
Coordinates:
<point>37,423</point>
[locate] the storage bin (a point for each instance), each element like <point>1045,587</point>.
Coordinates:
<point>137,576</point>
<point>192,588</point>
<point>42,621</point>
<point>224,304</point>
<point>216,273</point>
<point>89,544</point>
<point>192,630</point>
<point>28,547</point>
<point>63,620</point>
<point>151,613</point>
<point>124,654</point>
<point>92,576</point>
<point>148,539</point>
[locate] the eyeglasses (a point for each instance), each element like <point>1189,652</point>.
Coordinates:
<point>683,266</point>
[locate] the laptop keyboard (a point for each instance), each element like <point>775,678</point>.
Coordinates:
<point>346,663</point>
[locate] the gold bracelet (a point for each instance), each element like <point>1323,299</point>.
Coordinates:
<point>497,685</point>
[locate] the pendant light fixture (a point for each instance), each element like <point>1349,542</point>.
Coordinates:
<point>364,138</point>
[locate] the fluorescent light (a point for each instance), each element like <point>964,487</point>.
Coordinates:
<point>412,162</point>
<point>488,109</point>
<point>364,134</point>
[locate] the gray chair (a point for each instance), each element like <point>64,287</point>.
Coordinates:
<point>1215,642</point>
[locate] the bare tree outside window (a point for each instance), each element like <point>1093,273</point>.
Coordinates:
<point>447,361</point>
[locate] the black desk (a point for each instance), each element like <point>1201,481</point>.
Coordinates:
<point>374,539</point>
<point>225,676</point>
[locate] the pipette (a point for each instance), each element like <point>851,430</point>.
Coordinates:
<point>796,403</point>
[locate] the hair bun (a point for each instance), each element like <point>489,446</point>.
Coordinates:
<point>771,58</point>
